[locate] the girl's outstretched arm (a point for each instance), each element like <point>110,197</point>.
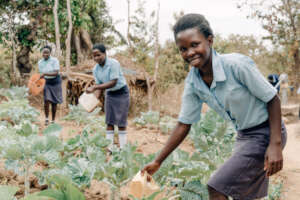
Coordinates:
<point>273,156</point>
<point>178,134</point>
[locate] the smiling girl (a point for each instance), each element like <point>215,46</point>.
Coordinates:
<point>231,85</point>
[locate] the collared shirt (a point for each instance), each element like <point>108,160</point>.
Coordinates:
<point>48,66</point>
<point>110,71</point>
<point>238,92</point>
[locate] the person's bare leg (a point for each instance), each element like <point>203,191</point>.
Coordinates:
<point>54,108</point>
<point>215,195</point>
<point>46,108</point>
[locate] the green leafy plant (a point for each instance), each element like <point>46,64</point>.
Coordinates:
<point>93,120</point>
<point>213,138</point>
<point>80,158</point>
<point>16,111</point>
<point>8,192</point>
<point>193,190</point>
<point>121,167</point>
<point>166,124</point>
<point>150,117</point>
<point>275,190</point>
<point>23,151</point>
<point>14,93</point>
<point>61,188</point>
<point>150,197</point>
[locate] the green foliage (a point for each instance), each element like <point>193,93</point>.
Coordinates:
<point>193,190</point>
<point>121,168</point>
<point>150,117</point>
<point>213,137</point>
<point>17,108</point>
<point>142,36</point>
<point>5,79</point>
<point>14,93</point>
<point>61,188</point>
<point>275,190</point>
<point>150,197</point>
<point>23,151</point>
<point>166,124</point>
<point>93,120</point>
<point>173,69</point>
<point>53,129</point>
<point>280,19</point>
<point>8,192</point>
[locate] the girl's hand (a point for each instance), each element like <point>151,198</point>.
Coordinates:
<point>97,93</point>
<point>273,159</point>
<point>90,89</point>
<point>151,168</point>
<point>42,76</point>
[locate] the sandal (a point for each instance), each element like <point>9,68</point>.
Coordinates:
<point>46,122</point>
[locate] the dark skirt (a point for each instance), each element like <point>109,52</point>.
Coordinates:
<point>117,107</point>
<point>53,90</point>
<point>242,176</point>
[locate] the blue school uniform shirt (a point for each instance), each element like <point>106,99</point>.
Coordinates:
<point>110,71</point>
<point>48,66</point>
<point>238,92</point>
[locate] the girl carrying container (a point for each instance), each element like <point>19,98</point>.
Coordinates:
<point>109,77</point>
<point>231,85</point>
<point>49,69</point>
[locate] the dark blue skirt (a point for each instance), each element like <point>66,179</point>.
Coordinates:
<point>242,176</point>
<point>117,107</point>
<point>53,90</point>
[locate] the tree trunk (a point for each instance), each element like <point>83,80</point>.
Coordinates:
<point>150,89</point>
<point>86,43</point>
<point>68,40</point>
<point>23,60</point>
<point>57,33</point>
<point>85,36</point>
<point>151,84</point>
<point>68,54</point>
<point>15,72</point>
<point>78,48</point>
<point>128,26</point>
<point>156,43</point>
<point>23,57</point>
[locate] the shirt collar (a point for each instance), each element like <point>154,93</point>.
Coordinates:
<point>218,73</point>
<point>218,70</point>
<point>105,64</point>
<point>50,57</point>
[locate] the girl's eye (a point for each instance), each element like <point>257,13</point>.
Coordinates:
<point>195,44</point>
<point>182,49</point>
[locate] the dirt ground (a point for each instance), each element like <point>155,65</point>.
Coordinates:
<point>291,169</point>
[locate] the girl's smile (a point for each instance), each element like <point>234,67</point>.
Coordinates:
<point>195,48</point>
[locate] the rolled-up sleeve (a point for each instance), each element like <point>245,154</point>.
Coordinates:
<point>190,107</point>
<point>248,74</point>
<point>115,71</point>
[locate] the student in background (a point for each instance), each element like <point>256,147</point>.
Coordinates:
<point>274,79</point>
<point>49,69</point>
<point>109,77</point>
